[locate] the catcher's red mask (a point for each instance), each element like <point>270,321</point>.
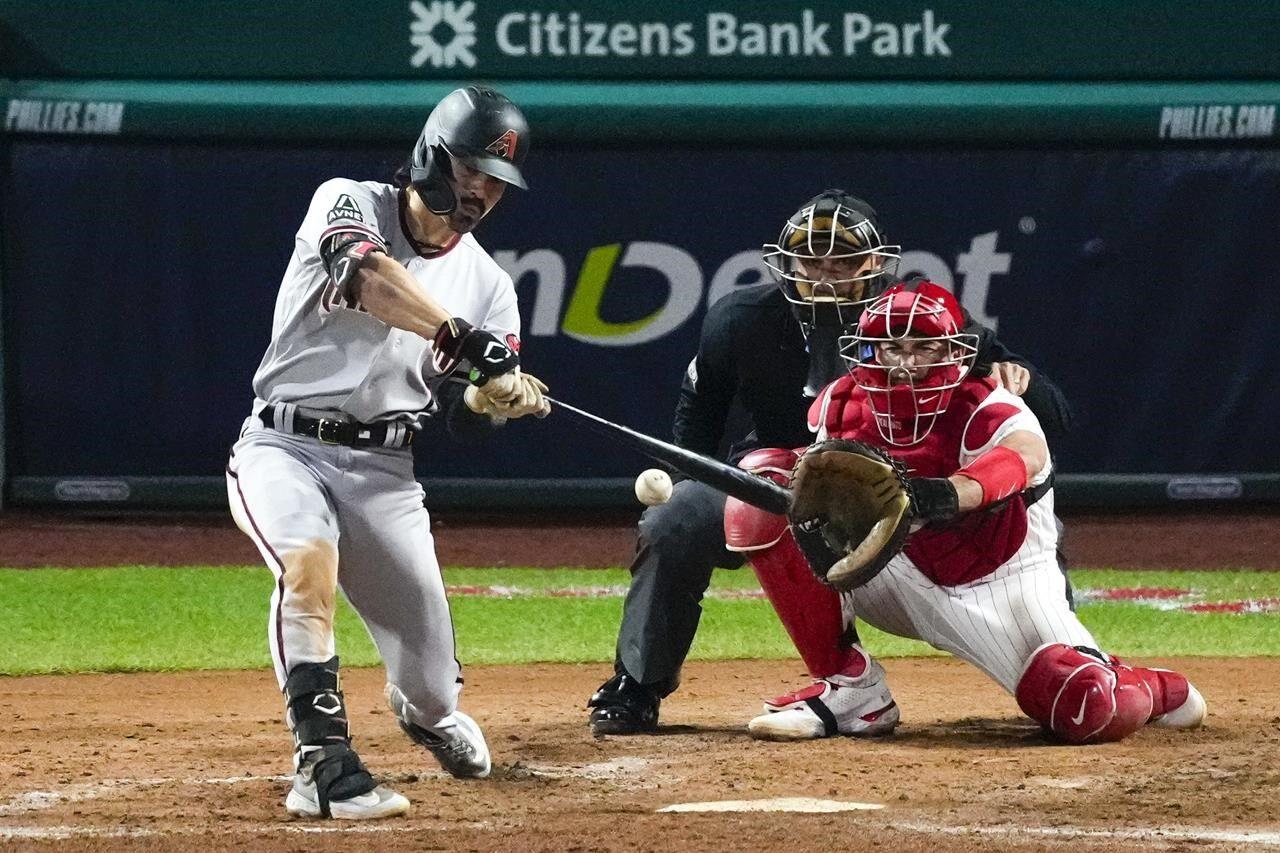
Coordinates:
<point>909,355</point>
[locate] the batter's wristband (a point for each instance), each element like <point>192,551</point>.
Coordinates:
<point>447,344</point>
<point>1000,472</point>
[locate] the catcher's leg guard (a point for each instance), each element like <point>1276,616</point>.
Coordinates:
<point>809,611</point>
<point>330,781</point>
<point>1176,702</point>
<point>1082,696</point>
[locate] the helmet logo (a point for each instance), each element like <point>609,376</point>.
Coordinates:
<point>504,146</point>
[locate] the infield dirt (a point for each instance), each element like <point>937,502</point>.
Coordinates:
<point>191,761</point>
<point>198,761</point>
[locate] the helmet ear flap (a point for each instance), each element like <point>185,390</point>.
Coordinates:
<point>433,180</point>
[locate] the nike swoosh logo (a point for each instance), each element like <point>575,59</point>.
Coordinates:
<point>1079,718</point>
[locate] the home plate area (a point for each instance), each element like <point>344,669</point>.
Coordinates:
<point>169,761</point>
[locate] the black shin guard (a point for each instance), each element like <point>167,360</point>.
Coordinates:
<point>318,717</point>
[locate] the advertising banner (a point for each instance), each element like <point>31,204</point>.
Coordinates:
<point>140,281</point>
<point>666,39</point>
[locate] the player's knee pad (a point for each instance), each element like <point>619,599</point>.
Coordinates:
<point>748,528</point>
<point>1081,696</point>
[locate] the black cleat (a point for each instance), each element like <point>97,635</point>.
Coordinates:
<point>623,706</point>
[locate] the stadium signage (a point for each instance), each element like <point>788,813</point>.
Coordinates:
<point>1218,121</point>
<point>45,116</point>
<point>577,312</point>
<point>444,34</point>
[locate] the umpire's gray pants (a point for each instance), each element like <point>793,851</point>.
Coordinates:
<point>678,545</point>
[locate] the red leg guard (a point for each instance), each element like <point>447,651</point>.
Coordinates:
<point>1083,697</point>
<point>809,610</point>
<point>1169,689</point>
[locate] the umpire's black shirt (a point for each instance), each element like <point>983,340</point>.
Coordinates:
<point>752,349</point>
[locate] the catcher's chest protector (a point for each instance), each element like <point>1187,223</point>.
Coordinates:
<point>975,544</point>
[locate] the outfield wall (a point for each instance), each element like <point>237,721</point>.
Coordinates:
<point>1110,229</point>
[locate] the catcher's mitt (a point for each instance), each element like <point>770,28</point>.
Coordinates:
<point>850,511</point>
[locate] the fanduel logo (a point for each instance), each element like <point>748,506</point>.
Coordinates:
<point>442,20</point>
<point>444,35</point>
<point>577,313</point>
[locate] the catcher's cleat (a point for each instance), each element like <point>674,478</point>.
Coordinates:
<point>836,705</point>
<point>332,782</point>
<point>623,706</point>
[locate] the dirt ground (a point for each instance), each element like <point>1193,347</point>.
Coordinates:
<point>185,761</point>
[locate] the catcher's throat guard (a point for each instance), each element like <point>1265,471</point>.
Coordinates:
<point>850,512</point>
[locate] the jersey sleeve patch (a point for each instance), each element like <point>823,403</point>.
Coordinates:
<point>345,208</point>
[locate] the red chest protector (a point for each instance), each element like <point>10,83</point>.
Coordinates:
<point>977,542</point>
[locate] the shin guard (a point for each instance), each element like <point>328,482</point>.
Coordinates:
<point>1082,696</point>
<point>809,610</point>
<point>317,715</point>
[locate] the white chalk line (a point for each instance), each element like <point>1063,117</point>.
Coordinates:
<point>346,827</point>
<point>31,801</point>
<point>1148,834</point>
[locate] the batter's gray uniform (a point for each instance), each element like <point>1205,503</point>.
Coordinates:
<point>317,509</point>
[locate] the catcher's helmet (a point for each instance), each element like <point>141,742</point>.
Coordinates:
<point>478,126</point>
<point>831,258</point>
<point>909,385</point>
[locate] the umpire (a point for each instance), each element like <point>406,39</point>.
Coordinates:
<point>772,348</point>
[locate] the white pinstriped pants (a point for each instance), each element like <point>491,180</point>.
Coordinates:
<point>293,495</point>
<point>994,623</point>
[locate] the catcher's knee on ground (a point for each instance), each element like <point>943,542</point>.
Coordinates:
<point>1082,696</point>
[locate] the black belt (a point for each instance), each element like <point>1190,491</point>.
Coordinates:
<point>349,433</point>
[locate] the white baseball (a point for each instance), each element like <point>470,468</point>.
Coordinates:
<point>653,487</point>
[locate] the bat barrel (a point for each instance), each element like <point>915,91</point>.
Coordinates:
<point>731,480</point>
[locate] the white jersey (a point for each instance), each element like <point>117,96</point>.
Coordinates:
<point>328,353</point>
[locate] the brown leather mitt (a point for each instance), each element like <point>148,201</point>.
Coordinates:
<point>850,511</point>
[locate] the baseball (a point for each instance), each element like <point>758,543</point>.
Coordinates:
<point>653,487</point>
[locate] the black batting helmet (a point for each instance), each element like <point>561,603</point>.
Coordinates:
<point>478,126</point>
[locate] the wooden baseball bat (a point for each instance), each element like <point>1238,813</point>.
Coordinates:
<point>735,482</point>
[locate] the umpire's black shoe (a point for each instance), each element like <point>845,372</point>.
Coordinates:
<point>623,706</point>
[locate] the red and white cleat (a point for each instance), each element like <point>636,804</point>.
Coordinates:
<point>830,706</point>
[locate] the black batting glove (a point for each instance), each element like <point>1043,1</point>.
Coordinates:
<point>934,499</point>
<point>458,340</point>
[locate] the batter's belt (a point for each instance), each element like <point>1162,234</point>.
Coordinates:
<point>286,417</point>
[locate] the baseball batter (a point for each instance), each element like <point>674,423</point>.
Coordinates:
<point>978,580</point>
<point>386,293</point>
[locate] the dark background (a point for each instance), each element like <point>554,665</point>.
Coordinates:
<point>139,280</point>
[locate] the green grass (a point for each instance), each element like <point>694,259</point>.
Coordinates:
<point>139,618</point>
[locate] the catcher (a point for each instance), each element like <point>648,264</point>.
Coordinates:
<point>948,537</point>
